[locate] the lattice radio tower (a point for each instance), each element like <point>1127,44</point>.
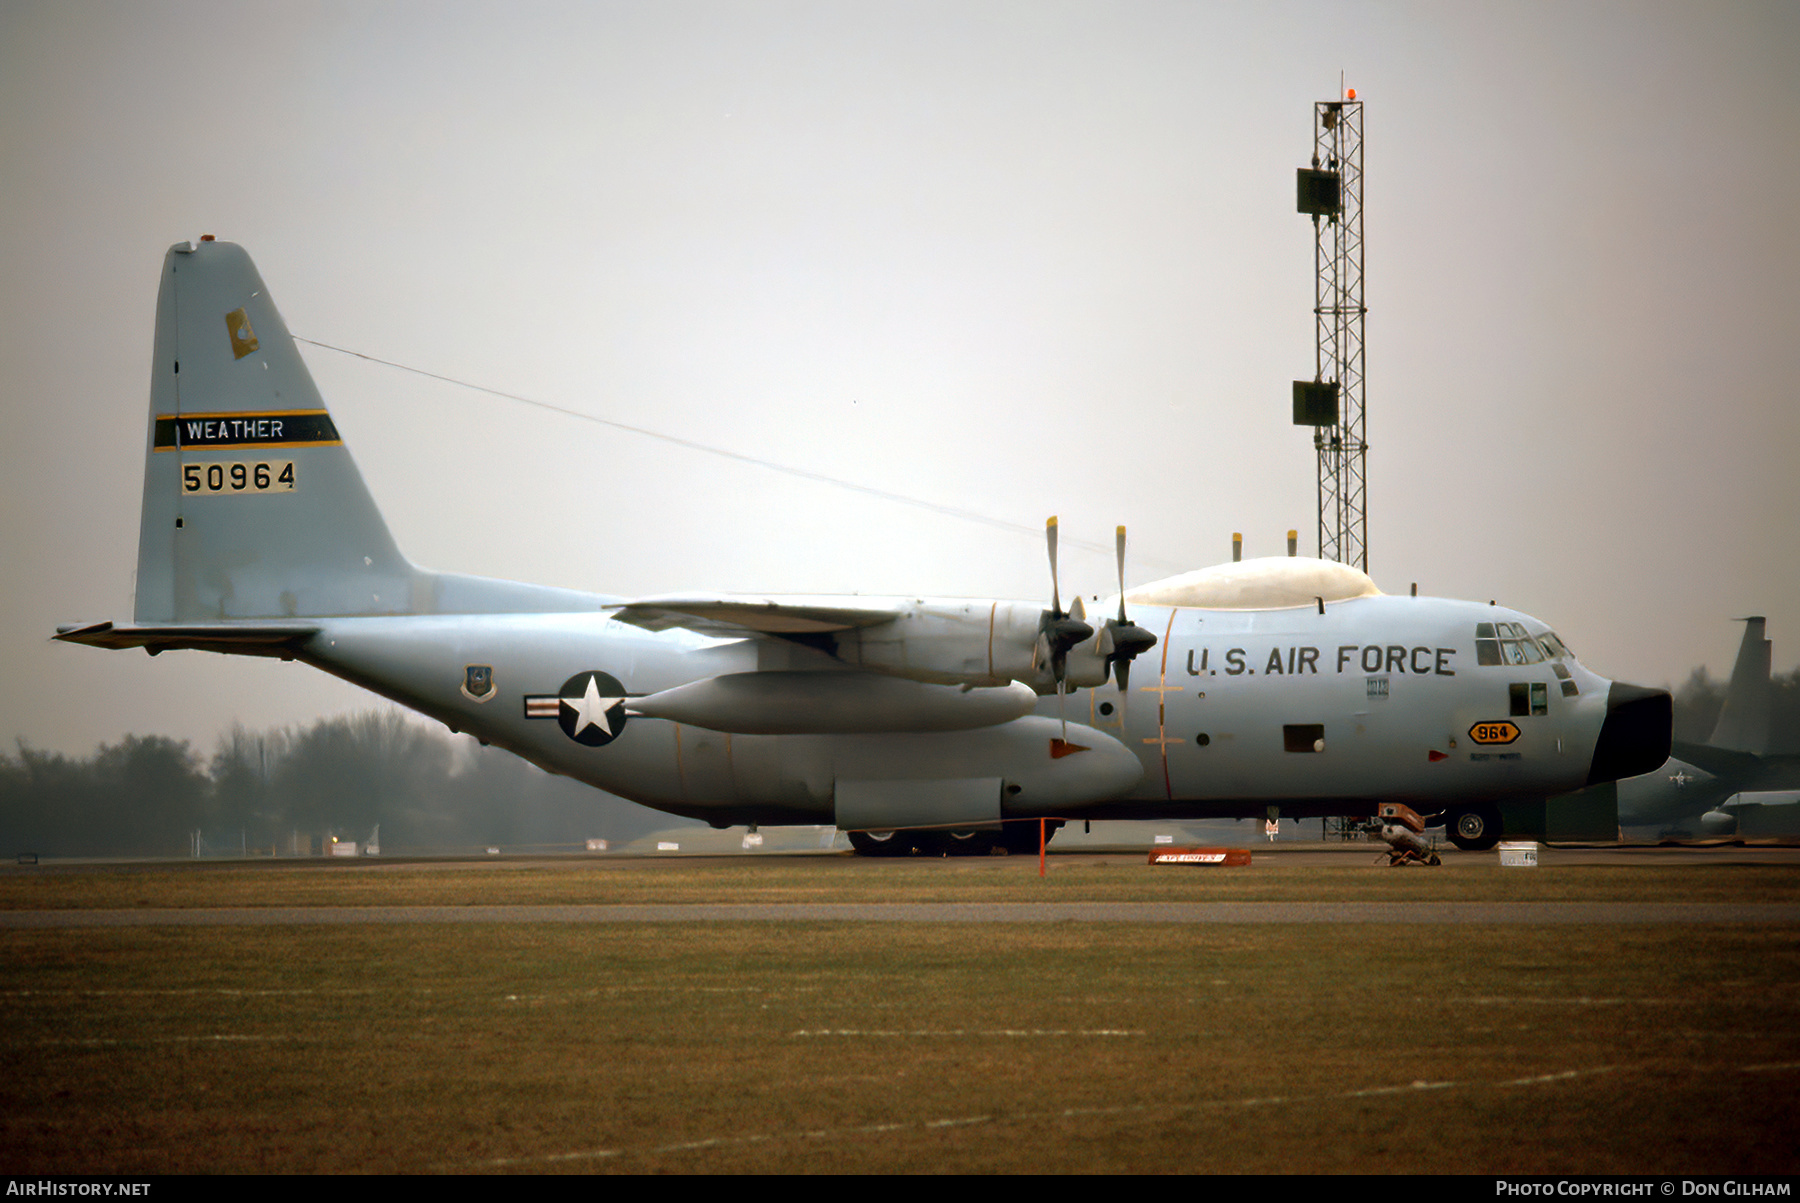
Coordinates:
<point>1331,191</point>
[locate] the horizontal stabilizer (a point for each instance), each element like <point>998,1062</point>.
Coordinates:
<point>266,639</point>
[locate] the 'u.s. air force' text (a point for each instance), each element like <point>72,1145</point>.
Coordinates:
<point>1351,658</point>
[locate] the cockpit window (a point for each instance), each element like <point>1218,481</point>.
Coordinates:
<point>1508,643</point>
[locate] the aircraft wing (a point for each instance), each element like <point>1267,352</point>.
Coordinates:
<point>732,614</point>
<point>245,639</point>
<point>1778,797</point>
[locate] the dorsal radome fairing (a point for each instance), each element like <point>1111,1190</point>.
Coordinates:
<point>1268,583</point>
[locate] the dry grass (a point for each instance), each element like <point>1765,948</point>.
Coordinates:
<point>1082,878</point>
<point>900,1047</point>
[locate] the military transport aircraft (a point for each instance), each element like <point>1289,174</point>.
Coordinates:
<point>1284,686</point>
<point>1733,772</point>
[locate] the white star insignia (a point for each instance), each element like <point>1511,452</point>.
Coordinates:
<point>591,709</point>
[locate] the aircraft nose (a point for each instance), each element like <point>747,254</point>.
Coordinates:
<point>1635,737</point>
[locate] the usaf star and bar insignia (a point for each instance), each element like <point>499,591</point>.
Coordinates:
<point>590,707</point>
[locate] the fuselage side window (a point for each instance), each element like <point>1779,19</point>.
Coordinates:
<point>1303,737</point>
<point>1528,698</point>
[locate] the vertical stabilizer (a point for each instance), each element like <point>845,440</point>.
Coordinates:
<point>1744,720</point>
<point>253,507</point>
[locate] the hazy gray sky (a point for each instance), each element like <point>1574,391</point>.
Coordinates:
<point>1018,258</point>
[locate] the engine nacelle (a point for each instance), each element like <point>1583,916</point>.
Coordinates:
<point>952,643</point>
<point>971,644</point>
<point>1718,823</point>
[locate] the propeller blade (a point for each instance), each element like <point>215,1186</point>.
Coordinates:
<point>1126,640</point>
<point>1119,541</point>
<point>1057,631</point>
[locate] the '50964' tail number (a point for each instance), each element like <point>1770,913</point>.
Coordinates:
<point>219,476</point>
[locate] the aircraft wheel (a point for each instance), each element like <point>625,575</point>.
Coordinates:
<point>1474,830</point>
<point>881,843</point>
<point>961,843</point>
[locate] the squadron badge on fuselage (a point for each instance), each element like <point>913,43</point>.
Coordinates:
<point>590,707</point>
<point>478,682</point>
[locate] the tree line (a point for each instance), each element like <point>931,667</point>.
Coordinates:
<point>291,789</point>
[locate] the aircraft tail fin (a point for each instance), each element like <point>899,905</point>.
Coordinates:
<point>253,507</point>
<point>1744,721</point>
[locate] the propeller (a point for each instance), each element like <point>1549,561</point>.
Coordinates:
<point>1058,630</point>
<point>1123,640</point>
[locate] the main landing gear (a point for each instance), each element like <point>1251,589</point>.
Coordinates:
<point>1015,839</point>
<point>882,843</point>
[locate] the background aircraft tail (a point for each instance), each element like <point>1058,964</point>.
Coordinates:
<point>1744,720</point>
<point>253,507</point>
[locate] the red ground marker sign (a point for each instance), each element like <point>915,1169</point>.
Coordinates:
<point>1200,856</point>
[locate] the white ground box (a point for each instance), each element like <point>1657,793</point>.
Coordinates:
<point>1518,854</point>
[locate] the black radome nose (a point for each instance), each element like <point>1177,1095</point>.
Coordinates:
<point>1635,737</point>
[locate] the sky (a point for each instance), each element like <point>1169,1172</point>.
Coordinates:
<point>1006,259</point>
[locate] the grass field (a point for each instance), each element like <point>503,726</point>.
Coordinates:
<point>844,878</point>
<point>887,1047</point>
